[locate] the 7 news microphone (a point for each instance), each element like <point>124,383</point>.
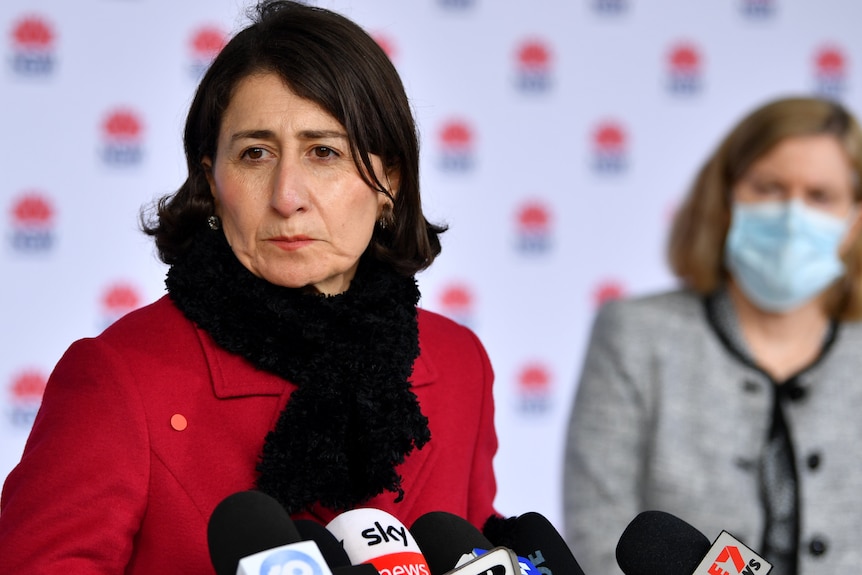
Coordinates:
<point>658,543</point>
<point>250,533</point>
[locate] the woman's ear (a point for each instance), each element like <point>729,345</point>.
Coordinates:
<point>393,181</point>
<point>207,164</point>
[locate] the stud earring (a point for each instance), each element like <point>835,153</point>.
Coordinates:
<point>214,223</point>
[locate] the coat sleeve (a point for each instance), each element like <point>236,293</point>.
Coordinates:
<point>483,485</point>
<point>74,502</point>
<point>605,446</point>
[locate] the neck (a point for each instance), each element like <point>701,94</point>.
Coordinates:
<point>781,343</point>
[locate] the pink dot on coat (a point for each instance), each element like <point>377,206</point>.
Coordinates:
<point>179,422</point>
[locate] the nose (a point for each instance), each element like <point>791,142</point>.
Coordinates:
<point>290,192</point>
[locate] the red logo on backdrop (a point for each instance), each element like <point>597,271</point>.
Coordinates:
<point>830,71</point>
<point>456,4</point>
<point>206,42</point>
<point>457,303</point>
<point>685,64</point>
<point>122,132</point>
<point>456,144</point>
<point>533,67</point>
<point>758,9</point>
<point>387,44</point>
<point>25,394</point>
<point>610,7</point>
<point>610,148</point>
<point>534,388</point>
<point>117,300</point>
<point>608,290</point>
<point>32,222</point>
<point>33,46</point>
<point>533,222</point>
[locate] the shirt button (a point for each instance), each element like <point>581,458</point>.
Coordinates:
<point>795,391</point>
<point>817,546</point>
<point>749,386</point>
<point>813,461</point>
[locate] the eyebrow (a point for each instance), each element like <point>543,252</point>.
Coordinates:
<point>304,135</point>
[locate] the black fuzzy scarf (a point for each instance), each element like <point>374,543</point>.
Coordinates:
<point>353,418</point>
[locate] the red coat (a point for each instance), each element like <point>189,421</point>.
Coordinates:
<point>112,482</point>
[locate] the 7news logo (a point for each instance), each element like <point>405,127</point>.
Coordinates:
<point>729,556</point>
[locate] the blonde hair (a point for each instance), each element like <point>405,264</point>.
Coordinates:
<point>696,245</point>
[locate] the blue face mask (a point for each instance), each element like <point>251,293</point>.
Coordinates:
<point>782,254</point>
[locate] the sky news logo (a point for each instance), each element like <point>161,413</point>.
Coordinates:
<point>32,218</point>
<point>33,40</point>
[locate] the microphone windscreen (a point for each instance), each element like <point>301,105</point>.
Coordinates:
<point>377,537</point>
<point>536,538</point>
<point>246,523</point>
<point>444,538</point>
<point>332,551</point>
<point>658,543</point>
<point>361,569</point>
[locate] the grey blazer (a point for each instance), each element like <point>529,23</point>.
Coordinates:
<point>667,417</point>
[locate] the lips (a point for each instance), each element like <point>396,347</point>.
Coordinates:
<point>290,243</point>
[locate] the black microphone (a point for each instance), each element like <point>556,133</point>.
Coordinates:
<point>246,523</point>
<point>534,537</point>
<point>658,543</point>
<point>445,538</point>
<point>250,532</point>
<point>451,544</point>
<point>332,550</point>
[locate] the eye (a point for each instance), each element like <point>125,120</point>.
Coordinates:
<point>254,153</point>
<point>323,152</point>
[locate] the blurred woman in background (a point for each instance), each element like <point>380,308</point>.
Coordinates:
<point>734,402</point>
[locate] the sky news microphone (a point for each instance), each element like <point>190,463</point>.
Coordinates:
<point>250,533</point>
<point>376,537</point>
<point>449,542</point>
<point>533,536</point>
<point>658,543</point>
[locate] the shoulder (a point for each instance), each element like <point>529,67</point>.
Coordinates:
<point>447,346</point>
<point>667,310</point>
<point>442,331</point>
<point>153,327</point>
<point>154,337</point>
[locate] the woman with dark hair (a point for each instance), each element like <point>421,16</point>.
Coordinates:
<point>289,354</point>
<point>734,402</point>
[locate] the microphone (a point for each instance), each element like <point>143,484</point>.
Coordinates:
<point>329,546</point>
<point>250,533</point>
<point>376,537</point>
<point>656,543</point>
<point>535,538</point>
<point>452,544</point>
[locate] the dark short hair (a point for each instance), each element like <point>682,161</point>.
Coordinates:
<point>699,231</point>
<point>328,59</point>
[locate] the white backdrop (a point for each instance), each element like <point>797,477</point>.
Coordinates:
<point>557,137</point>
